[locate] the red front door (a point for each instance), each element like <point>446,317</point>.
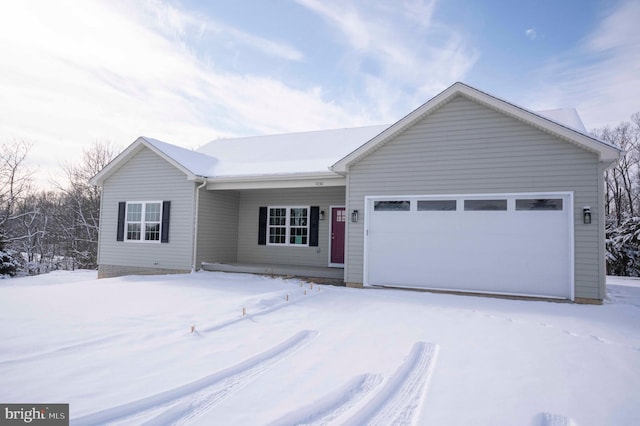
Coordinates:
<point>338,219</point>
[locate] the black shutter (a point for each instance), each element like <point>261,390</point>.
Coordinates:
<point>262,227</point>
<point>313,226</point>
<point>164,228</point>
<point>122,207</point>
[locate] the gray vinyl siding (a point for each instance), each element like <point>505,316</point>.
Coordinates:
<point>148,177</point>
<point>218,227</point>
<point>465,147</point>
<point>250,201</point>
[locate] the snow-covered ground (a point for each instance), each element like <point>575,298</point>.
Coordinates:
<point>121,351</point>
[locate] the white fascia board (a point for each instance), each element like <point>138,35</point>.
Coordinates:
<point>129,152</point>
<point>298,180</point>
<point>117,162</point>
<point>342,166</point>
<point>168,159</point>
<point>606,153</point>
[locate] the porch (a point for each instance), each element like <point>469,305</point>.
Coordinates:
<point>319,274</point>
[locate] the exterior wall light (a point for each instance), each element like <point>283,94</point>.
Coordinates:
<point>321,214</point>
<point>354,216</point>
<point>586,213</point>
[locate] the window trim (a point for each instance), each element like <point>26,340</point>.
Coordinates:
<point>288,226</point>
<point>143,222</point>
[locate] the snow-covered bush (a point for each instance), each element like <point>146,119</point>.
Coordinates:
<point>623,248</point>
<point>8,265</point>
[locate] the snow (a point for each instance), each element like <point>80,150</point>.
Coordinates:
<point>197,163</point>
<point>568,117</point>
<point>290,153</point>
<point>120,351</point>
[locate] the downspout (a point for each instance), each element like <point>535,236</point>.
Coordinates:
<point>195,224</point>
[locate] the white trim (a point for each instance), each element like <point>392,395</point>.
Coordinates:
<point>288,226</point>
<point>297,180</point>
<point>336,265</point>
<point>607,153</point>
<point>572,245</point>
<point>568,210</point>
<point>455,290</point>
<point>196,215</point>
<point>129,152</point>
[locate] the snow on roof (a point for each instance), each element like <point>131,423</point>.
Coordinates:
<point>290,153</point>
<point>197,163</point>
<point>295,153</point>
<point>568,117</point>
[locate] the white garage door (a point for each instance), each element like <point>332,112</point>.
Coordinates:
<point>520,244</point>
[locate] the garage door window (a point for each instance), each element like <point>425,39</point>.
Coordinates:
<point>539,204</point>
<point>485,205</point>
<point>391,206</point>
<point>436,205</point>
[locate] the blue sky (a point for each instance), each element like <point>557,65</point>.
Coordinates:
<point>74,72</point>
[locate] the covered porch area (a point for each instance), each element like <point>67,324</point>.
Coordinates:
<point>328,275</point>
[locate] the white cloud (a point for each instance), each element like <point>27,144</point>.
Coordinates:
<point>531,34</point>
<point>77,72</point>
<point>602,77</point>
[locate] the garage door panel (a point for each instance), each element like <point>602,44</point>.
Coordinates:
<point>514,252</point>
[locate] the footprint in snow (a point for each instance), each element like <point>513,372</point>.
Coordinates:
<point>599,339</point>
<point>550,419</point>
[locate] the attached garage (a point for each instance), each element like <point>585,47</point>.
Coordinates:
<point>517,244</point>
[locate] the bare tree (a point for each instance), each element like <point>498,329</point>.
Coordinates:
<point>15,177</point>
<point>623,181</point>
<point>80,223</point>
<point>15,184</point>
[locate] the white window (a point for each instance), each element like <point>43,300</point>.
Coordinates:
<point>288,226</point>
<point>143,221</point>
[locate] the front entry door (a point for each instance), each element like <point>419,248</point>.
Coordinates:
<point>338,219</point>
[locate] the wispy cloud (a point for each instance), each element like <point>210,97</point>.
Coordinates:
<point>601,78</point>
<point>410,53</point>
<point>183,24</point>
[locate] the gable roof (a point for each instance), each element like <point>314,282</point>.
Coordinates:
<point>193,164</point>
<point>573,133</point>
<point>286,154</point>
<point>304,154</point>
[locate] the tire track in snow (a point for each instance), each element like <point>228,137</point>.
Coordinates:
<point>397,403</point>
<point>192,399</point>
<point>332,405</point>
<point>63,349</point>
